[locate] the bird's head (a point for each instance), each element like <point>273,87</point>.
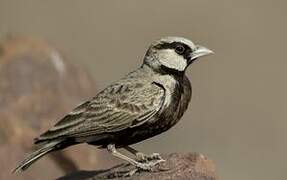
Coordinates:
<point>173,53</point>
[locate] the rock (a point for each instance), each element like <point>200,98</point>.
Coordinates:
<point>38,86</point>
<point>189,166</point>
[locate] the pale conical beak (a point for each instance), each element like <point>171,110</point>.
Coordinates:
<point>199,52</point>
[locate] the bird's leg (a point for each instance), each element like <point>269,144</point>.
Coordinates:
<point>143,157</point>
<point>147,166</point>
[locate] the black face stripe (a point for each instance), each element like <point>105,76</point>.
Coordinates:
<point>173,45</point>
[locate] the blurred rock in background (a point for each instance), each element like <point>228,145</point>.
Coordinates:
<point>38,87</point>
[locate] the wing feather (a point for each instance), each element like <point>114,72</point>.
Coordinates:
<point>120,106</point>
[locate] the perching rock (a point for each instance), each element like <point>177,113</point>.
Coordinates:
<point>189,166</point>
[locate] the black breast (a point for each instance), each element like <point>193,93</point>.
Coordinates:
<point>180,100</point>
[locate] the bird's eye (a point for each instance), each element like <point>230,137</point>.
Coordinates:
<point>179,49</point>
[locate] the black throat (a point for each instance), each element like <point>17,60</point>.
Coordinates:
<point>169,71</point>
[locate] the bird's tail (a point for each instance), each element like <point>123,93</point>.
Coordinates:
<point>46,148</point>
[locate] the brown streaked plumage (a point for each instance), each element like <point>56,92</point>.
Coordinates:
<point>146,102</point>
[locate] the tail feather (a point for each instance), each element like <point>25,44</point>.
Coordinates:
<point>36,155</point>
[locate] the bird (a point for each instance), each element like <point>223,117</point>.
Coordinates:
<point>144,103</point>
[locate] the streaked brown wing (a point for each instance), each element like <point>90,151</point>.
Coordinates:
<point>119,106</point>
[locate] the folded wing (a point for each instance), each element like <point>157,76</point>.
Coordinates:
<point>120,106</point>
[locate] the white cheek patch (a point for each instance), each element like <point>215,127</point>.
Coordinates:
<point>171,59</point>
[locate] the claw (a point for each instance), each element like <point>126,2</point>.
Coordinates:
<point>148,166</point>
<point>141,157</point>
<point>155,156</point>
<point>130,173</point>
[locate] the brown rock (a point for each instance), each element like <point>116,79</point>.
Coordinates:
<point>189,166</point>
<point>38,87</point>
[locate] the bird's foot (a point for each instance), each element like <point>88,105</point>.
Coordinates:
<point>145,166</point>
<point>141,157</point>
<point>149,165</point>
<point>145,162</point>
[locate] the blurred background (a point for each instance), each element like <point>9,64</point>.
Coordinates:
<point>237,116</point>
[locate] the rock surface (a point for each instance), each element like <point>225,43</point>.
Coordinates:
<point>189,166</point>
